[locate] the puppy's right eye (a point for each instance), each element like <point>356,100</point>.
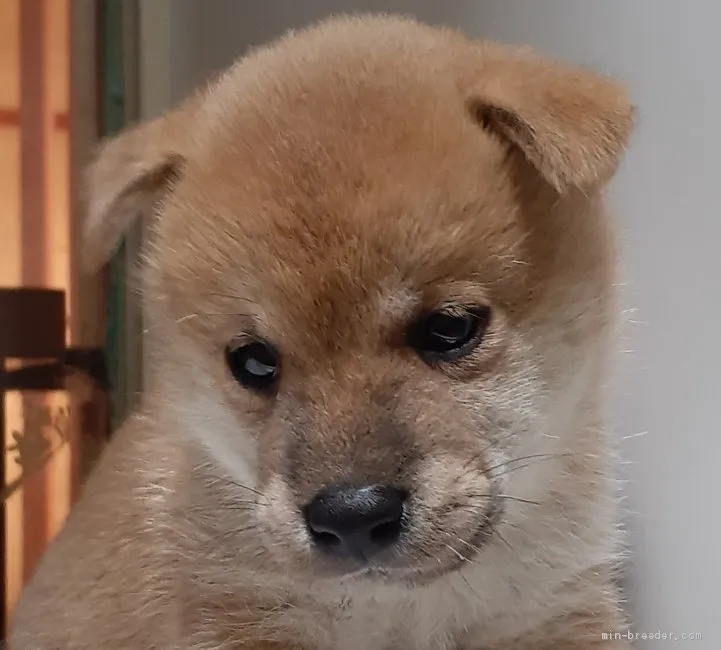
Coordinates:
<point>449,334</point>
<point>254,366</point>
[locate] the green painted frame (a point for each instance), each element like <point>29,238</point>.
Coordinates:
<point>119,107</point>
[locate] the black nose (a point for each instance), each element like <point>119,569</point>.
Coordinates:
<point>356,521</point>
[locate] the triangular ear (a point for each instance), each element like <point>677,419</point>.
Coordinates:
<point>125,182</point>
<point>571,124</point>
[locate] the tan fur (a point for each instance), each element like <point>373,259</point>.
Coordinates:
<point>320,194</point>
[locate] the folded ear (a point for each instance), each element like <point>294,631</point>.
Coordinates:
<point>571,124</point>
<point>124,183</point>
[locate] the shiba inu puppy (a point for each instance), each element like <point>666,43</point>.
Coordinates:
<point>380,287</point>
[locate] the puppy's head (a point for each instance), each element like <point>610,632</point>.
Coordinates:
<point>382,280</point>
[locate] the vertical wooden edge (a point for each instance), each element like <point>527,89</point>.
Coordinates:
<point>34,192</point>
<point>87,319</point>
<point>87,311</point>
<point>133,243</point>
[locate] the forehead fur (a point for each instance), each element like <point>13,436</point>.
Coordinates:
<point>340,173</point>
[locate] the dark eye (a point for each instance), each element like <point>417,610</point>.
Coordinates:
<point>450,333</point>
<point>254,365</point>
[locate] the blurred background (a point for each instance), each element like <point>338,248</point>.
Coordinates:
<point>73,71</point>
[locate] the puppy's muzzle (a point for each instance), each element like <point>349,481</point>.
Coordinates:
<point>356,522</point>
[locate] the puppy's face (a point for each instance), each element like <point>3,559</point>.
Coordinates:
<point>381,276</point>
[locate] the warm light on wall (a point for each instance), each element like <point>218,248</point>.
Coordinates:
<point>35,238</point>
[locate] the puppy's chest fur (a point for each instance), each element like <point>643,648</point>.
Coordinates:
<point>432,619</point>
<point>322,623</point>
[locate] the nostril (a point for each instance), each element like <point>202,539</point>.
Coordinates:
<point>387,533</point>
<point>325,539</point>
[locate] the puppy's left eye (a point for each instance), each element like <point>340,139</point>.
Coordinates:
<point>254,365</point>
<point>450,333</point>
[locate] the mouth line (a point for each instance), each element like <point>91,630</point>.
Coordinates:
<point>422,575</point>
